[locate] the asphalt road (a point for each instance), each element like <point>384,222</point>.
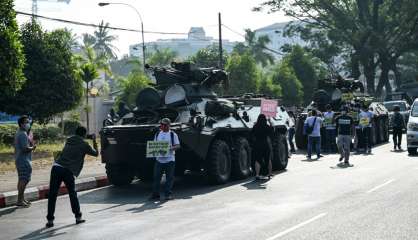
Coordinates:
<point>375,199</point>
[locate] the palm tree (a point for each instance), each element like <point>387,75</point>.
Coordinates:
<point>256,46</point>
<point>88,39</point>
<point>162,57</point>
<point>103,41</point>
<point>88,72</point>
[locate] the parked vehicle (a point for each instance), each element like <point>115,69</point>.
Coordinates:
<point>412,129</point>
<point>214,132</point>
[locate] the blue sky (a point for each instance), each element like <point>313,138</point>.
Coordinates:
<point>158,15</point>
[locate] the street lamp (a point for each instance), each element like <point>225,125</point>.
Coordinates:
<point>102,4</point>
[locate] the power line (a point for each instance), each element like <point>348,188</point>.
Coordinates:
<point>242,35</point>
<point>95,25</point>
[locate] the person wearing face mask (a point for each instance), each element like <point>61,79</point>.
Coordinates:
<point>345,131</point>
<point>23,159</point>
<point>165,164</point>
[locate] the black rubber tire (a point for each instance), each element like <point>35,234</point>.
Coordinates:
<point>386,129</point>
<point>373,133</point>
<point>241,158</point>
<point>300,139</point>
<point>219,162</point>
<point>412,151</point>
<point>146,170</point>
<point>119,175</point>
<point>382,130</point>
<point>280,153</point>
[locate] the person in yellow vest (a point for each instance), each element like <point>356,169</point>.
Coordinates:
<point>366,117</point>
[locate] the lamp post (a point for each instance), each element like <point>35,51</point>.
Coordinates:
<point>102,4</point>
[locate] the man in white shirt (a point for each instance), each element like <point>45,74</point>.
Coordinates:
<point>366,118</point>
<point>330,132</point>
<point>314,137</point>
<point>165,164</point>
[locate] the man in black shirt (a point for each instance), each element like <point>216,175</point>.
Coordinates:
<point>345,131</point>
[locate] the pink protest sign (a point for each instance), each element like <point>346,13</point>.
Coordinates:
<point>269,107</point>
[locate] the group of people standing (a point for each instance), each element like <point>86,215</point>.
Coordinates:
<point>339,131</point>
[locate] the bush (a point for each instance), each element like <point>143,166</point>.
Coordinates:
<point>41,133</point>
<point>69,126</point>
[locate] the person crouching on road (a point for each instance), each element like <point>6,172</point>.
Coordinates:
<point>345,129</point>
<point>366,117</point>
<point>68,164</point>
<point>261,133</point>
<point>165,164</point>
<point>23,159</point>
<point>330,134</point>
<point>398,125</point>
<point>314,137</point>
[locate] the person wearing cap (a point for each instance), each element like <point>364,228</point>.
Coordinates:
<point>329,124</point>
<point>366,117</point>
<point>398,125</point>
<point>345,131</point>
<point>165,164</point>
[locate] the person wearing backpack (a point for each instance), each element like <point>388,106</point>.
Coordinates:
<point>165,164</point>
<point>313,130</point>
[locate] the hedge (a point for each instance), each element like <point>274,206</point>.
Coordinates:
<point>41,133</point>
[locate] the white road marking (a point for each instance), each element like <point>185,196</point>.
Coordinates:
<point>380,186</point>
<point>281,234</point>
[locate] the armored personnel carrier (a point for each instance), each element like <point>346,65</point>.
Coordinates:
<point>214,132</point>
<point>349,92</point>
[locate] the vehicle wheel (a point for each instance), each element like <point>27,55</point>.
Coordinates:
<point>146,170</point>
<point>386,124</point>
<point>241,158</point>
<point>374,133</point>
<point>119,175</point>
<point>300,139</point>
<point>280,153</point>
<point>412,151</point>
<point>219,162</point>
<point>382,133</point>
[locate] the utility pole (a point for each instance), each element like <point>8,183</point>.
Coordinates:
<point>220,42</point>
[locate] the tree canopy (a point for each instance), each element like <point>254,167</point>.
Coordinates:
<point>208,57</point>
<point>162,57</point>
<point>243,74</point>
<point>11,52</point>
<point>256,47</point>
<point>52,86</point>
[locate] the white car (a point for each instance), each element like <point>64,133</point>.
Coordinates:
<point>412,129</point>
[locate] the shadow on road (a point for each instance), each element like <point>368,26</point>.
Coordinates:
<point>45,233</point>
<point>138,193</point>
<point>7,211</point>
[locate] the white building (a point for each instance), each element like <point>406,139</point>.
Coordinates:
<point>185,47</point>
<point>277,40</point>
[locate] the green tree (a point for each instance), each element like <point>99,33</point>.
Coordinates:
<point>162,57</point>
<point>307,69</point>
<point>268,87</point>
<point>11,52</point>
<point>243,73</point>
<point>208,57</point>
<point>257,47</point>
<point>52,85</point>
<point>103,41</point>
<point>130,86</point>
<point>292,88</point>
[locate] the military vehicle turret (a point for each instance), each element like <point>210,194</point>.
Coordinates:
<point>339,92</point>
<point>214,132</point>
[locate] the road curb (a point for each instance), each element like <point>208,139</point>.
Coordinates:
<point>41,192</point>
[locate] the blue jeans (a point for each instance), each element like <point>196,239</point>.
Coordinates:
<point>159,168</point>
<point>290,136</point>
<point>314,141</point>
<point>330,145</point>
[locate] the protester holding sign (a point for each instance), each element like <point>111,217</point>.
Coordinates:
<point>366,125</point>
<point>165,163</point>
<point>261,134</point>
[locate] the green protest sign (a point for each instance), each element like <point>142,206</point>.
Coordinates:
<point>157,149</point>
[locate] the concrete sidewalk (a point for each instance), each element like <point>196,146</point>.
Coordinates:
<point>8,181</point>
<point>92,176</point>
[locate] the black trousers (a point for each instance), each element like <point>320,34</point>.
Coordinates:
<point>59,175</point>
<point>397,137</point>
